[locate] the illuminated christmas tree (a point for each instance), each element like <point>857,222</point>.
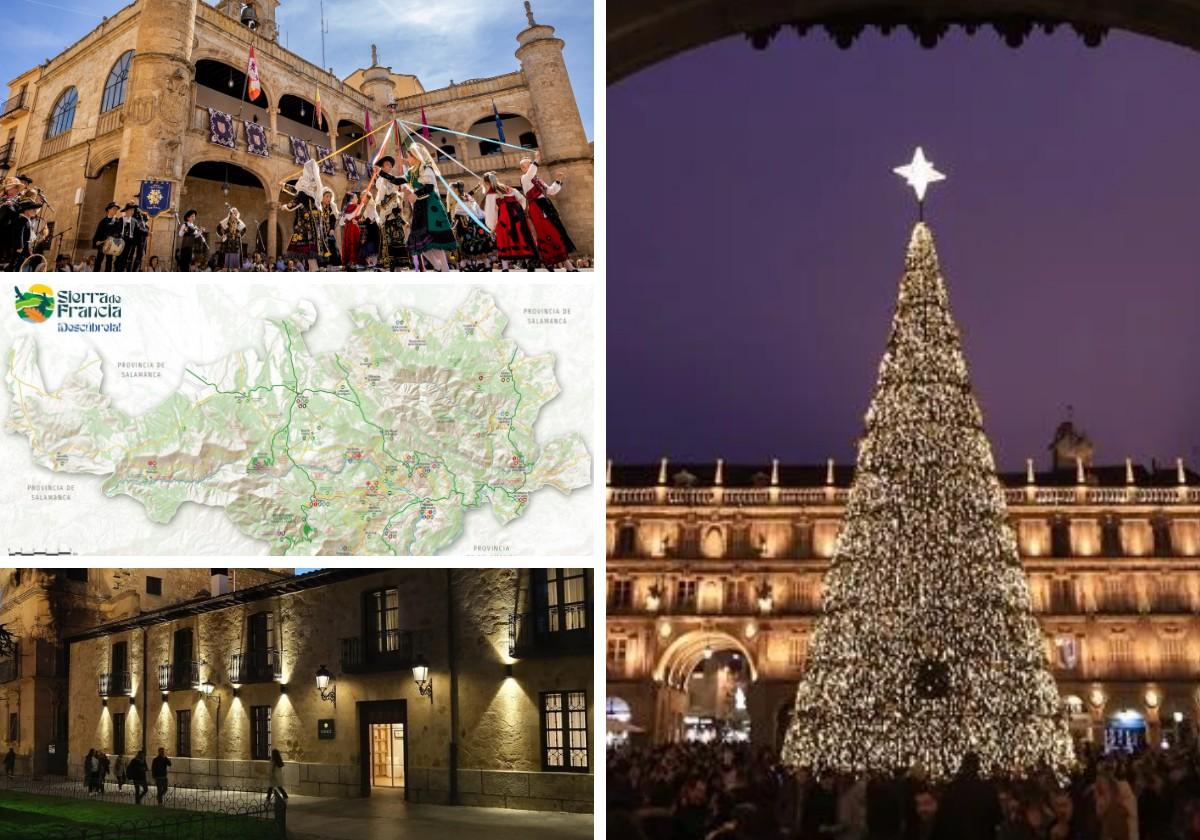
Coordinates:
<point>927,648</point>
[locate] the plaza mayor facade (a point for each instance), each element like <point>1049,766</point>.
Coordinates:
<point>133,100</point>
<point>715,574</point>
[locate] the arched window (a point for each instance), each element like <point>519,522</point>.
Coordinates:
<point>63,115</point>
<point>528,139</point>
<point>118,81</point>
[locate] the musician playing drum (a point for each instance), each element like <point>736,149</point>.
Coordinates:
<point>109,228</point>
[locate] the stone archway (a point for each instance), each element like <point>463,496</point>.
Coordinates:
<point>684,653</point>
<point>100,188</point>
<point>641,34</point>
<point>210,186</point>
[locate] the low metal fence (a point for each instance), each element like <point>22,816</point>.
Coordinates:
<point>213,813</point>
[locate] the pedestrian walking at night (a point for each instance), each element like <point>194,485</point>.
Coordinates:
<point>158,769</point>
<point>10,761</point>
<point>120,772</point>
<point>91,770</point>
<point>136,771</point>
<point>103,775</point>
<point>276,779</point>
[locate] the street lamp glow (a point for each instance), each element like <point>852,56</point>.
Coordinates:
<point>919,174</point>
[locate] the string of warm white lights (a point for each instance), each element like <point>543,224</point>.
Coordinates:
<point>927,648</point>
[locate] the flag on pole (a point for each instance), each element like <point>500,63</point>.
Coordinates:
<point>318,109</point>
<point>255,89</point>
<point>424,124</point>
<point>499,123</point>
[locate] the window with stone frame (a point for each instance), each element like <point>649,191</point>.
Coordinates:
<point>1120,650</point>
<point>117,84</point>
<point>618,649</point>
<point>183,733</point>
<point>797,650</point>
<point>383,620</point>
<point>1173,649</point>
<point>565,741</point>
<point>118,733</point>
<point>620,594</point>
<point>260,733</point>
<point>562,595</point>
<point>685,595</point>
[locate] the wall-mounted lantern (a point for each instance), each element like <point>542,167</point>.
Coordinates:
<point>325,685</point>
<point>421,677</point>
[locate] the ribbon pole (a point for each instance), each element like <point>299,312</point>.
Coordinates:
<point>461,134</point>
<point>449,190</point>
<point>335,153</point>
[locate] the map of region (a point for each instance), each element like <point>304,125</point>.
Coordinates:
<point>383,444</point>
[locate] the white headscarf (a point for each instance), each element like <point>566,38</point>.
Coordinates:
<point>225,222</point>
<point>310,181</point>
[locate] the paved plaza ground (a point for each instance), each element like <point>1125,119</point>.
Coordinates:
<point>383,815</point>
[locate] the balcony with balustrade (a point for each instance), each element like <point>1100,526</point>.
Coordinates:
<point>178,676</point>
<point>550,631</point>
<point>387,650</point>
<point>115,684</point>
<point>255,666</point>
<point>14,107</point>
<point>8,155</point>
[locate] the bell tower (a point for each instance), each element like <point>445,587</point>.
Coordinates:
<point>258,13</point>
<point>560,133</point>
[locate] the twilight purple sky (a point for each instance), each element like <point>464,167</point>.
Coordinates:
<point>757,237</point>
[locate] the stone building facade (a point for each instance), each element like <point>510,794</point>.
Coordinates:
<point>129,102</point>
<point>41,607</point>
<point>723,563</point>
<point>221,681</point>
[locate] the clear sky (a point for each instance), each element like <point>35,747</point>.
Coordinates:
<point>437,41</point>
<point>754,266</point>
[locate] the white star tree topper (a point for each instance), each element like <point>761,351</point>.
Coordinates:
<point>919,174</point>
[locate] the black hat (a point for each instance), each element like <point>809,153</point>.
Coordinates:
<point>25,179</point>
<point>129,206</point>
<point>112,205</point>
<point>27,204</point>
<point>386,159</point>
<point>189,215</point>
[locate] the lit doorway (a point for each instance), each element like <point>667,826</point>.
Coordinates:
<point>383,741</point>
<point>387,755</point>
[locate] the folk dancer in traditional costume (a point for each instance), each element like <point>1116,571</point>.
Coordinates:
<point>474,243</point>
<point>554,245</point>
<point>108,232</point>
<point>430,235</point>
<point>230,231</point>
<point>351,232</point>
<point>387,190</point>
<point>369,222</point>
<point>504,213</point>
<point>18,232</point>
<point>329,228</point>
<point>307,242</point>
<point>191,238</point>
<point>133,233</point>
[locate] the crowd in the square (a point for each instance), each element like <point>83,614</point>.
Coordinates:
<point>690,791</point>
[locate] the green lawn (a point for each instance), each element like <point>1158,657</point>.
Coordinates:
<point>26,816</point>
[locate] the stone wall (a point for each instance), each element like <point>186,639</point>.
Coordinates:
<point>499,741</point>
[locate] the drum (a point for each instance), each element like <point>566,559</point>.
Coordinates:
<point>35,263</point>
<point>114,246</point>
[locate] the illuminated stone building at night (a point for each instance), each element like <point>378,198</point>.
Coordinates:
<point>469,687</point>
<point>40,608</point>
<point>715,574</point>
